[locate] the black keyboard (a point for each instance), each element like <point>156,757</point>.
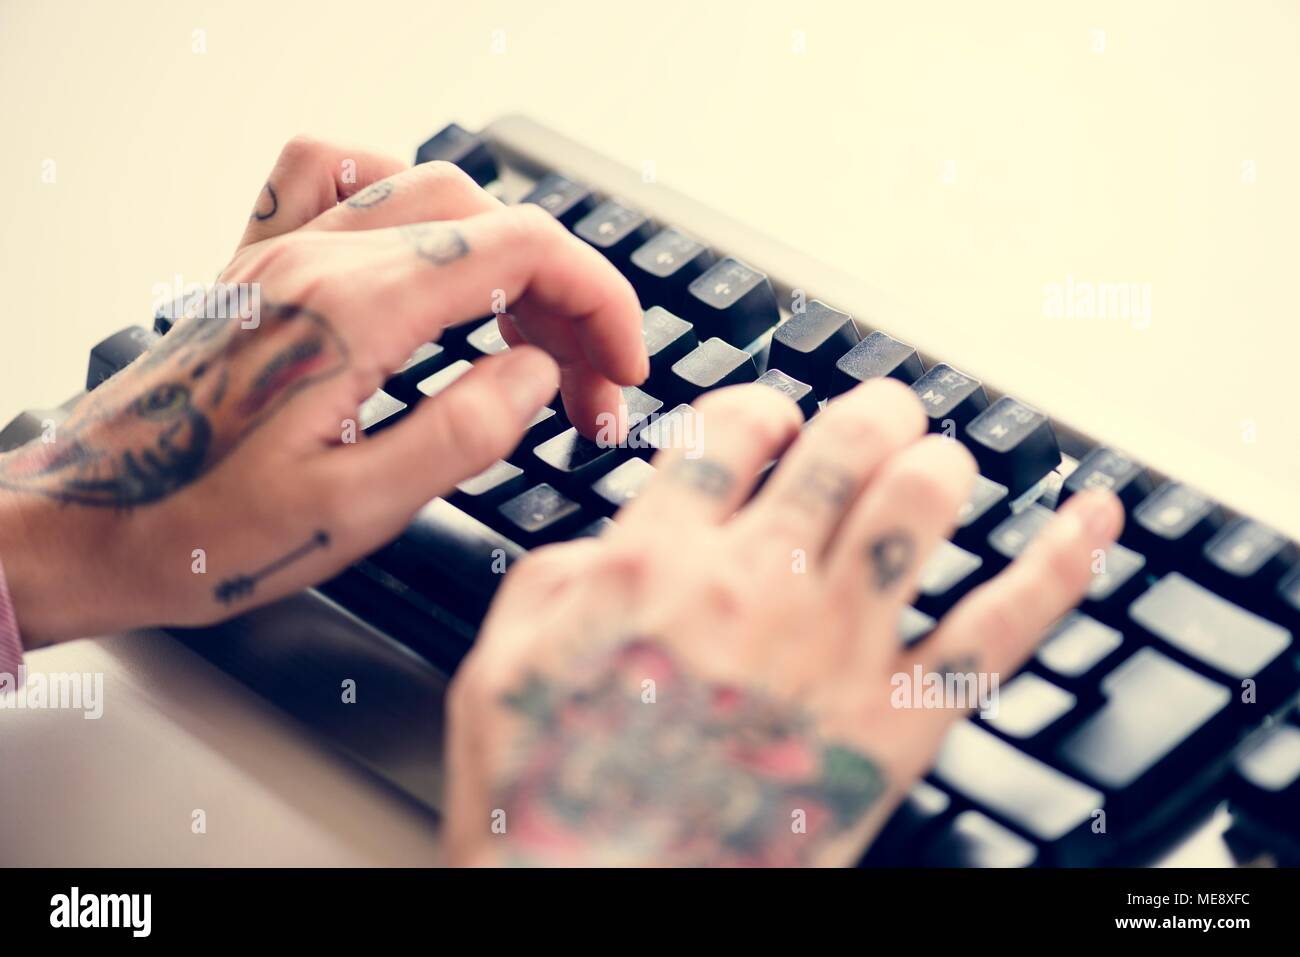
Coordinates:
<point>1168,698</point>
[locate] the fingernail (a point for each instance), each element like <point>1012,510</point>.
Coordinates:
<point>530,382</point>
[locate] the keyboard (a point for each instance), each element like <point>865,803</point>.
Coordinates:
<point>1164,704</point>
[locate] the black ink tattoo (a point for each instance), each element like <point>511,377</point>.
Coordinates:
<point>262,215</point>
<point>704,774</point>
<point>372,195</point>
<point>164,421</point>
<point>241,586</point>
<point>438,243</point>
<point>891,557</point>
<point>824,485</point>
<point>704,476</point>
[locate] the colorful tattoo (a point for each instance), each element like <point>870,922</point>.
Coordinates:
<point>646,763</point>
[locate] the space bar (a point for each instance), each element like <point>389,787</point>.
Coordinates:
<point>449,558</point>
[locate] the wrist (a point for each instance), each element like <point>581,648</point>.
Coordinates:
<point>58,585</point>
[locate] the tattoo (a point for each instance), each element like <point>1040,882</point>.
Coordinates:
<point>825,485</point>
<point>704,476</point>
<point>891,556</point>
<point>241,586</point>
<point>163,422</point>
<point>440,244</point>
<point>262,215</point>
<point>372,195</point>
<point>702,774</point>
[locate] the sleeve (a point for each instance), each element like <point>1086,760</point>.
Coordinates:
<point>11,646</point>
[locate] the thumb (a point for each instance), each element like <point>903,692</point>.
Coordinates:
<point>476,420</point>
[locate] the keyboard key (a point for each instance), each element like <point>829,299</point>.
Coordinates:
<point>1288,597</point>
<point>616,229</point>
<point>732,301</point>
<point>1014,444</point>
<point>539,516</point>
<point>545,423</point>
<point>424,362</point>
<point>667,339</point>
<point>1010,538</point>
<point>972,840</point>
<point>483,492</point>
<point>1172,523</point>
<point>1265,784</point>
<point>988,505</point>
<point>1247,559</point>
<point>1159,722</point>
<point>1217,634</point>
<point>1117,578</point>
<point>571,461</point>
<point>662,269</point>
<point>1109,468</point>
<point>118,351</point>
<point>951,399</point>
<point>594,529</point>
<point>485,340</point>
<point>443,378</point>
<point>677,428</point>
<point>799,392</point>
<point>875,356</point>
<point>808,344</point>
<point>1029,707</point>
<point>913,625</point>
<point>564,199</point>
<point>947,575</point>
<point>379,411</point>
<point>619,486</point>
<point>640,405</point>
<point>1078,649</point>
<point>711,365</point>
<point>1031,796</point>
<point>457,145</point>
<point>919,814</point>
<point>449,558</point>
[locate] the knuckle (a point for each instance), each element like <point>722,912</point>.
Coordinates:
<point>752,413</point>
<point>446,174</point>
<point>928,488</point>
<point>471,435</point>
<point>529,223</point>
<point>300,148</point>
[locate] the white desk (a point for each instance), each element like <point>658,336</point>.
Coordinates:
<point>960,156</point>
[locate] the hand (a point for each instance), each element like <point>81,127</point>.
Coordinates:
<point>710,681</point>
<point>216,472</point>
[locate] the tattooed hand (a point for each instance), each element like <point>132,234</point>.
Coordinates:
<point>709,683</point>
<point>219,471</point>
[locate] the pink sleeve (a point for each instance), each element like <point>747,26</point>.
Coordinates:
<point>11,646</point>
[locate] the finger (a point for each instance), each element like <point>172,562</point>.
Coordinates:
<point>564,296</point>
<point>709,472</point>
<point>996,627</point>
<point>804,501</point>
<point>877,558</point>
<point>429,192</point>
<point>577,378</point>
<point>308,178</point>
<point>478,419</point>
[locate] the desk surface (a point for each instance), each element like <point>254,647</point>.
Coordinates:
<point>970,161</point>
<point>179,736</point>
